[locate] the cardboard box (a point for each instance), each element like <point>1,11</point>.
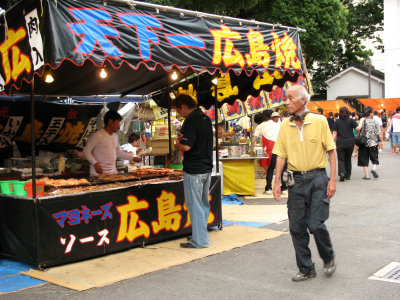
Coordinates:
<point>161,145</point>
<point>161,131</point>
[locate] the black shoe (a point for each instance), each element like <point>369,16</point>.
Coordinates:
<point>342,177</point>
<point>330,267</point>
<point>375,173</point>
<point>301,276</point>
<point>347,178</point>
<point>187,245</point>
<point>189,237</point>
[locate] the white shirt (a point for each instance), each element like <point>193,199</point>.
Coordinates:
<point>396,123</point>
<point>268,129</point>
<point>129,148</point>
<point>378,120</point>
<point>104,149</point>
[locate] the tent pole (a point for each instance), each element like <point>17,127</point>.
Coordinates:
<point>216,127</point>
<point>169,135</point>
<point>33,140</point>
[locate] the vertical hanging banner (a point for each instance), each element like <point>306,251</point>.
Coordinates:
<point>234,111</point>
<point>276,97</point>
<point>35,39</point>
<point>211,113</point>
<point>256,104</point>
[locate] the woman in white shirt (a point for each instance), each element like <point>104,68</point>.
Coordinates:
<point>132,147</point>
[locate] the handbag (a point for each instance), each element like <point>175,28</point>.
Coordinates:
<point>362,139</point>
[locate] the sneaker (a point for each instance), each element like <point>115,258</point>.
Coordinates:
<point>284,192</point>
<point>330,267</point>
<point>375,173</point>
<point>366,178</point>
<point>301,276</point>
<point>268,192</point>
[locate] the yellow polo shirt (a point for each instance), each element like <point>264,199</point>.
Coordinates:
<point>305,149</point>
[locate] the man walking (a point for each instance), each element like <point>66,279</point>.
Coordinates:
<point>303,141</point>
<point>196,141</point>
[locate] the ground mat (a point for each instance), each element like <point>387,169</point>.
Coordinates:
<point>138,261</point>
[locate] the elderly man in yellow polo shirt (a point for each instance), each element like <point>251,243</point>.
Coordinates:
<point>303,141</point>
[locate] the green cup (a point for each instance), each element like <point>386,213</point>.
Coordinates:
<point>6,187</point>
<point>19,188</point>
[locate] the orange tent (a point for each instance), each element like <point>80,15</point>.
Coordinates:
<point>328,106</point>
<point>383,103</point>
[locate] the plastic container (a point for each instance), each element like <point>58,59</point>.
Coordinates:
<point>19,188</point>
<point>158,166</point>
<point>6,187</point>
<point>39,188</point>
<point>176,166</point>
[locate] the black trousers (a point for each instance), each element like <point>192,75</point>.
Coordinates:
<point>308,209</point>
<point>344,153</point>
<point>270,175</point>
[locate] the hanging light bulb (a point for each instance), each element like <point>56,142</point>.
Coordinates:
<point>103,73</point>
<point>48,78</point>
<point>215,81</point>
<point>174,76</point>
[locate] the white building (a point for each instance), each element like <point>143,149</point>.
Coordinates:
<point>353,83</point>
<point>392,48</point>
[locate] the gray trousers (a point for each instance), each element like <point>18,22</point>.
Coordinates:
<point>308,208</point>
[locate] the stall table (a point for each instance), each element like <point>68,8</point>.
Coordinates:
<point>238,175</point>
<point>54,230</point>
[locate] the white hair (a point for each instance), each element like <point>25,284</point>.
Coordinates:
<point>302,93</point>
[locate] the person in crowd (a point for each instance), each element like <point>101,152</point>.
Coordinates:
<point>331,120</point>
<point>380,123</point>
<point>357,117</point>
<point>389,131</point>
<point>196,142</point>
<point>261,119</point>
<point>132,146</point>
<point>369,151</point>
<point>222,134</point>
<point>396,130</point>
<point>103,149</point>
<point>268,130</point>
<point>384,124</point>
<point>320,111</point>
<point>303,141</point>
<point>147,129</point>
<point>344,137</point>
<point>283,115</point>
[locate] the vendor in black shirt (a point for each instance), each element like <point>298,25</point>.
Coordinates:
<point>343,135</point>
<point>196,141</point>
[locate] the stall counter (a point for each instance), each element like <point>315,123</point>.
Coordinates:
<point>238,175</point>
<point>54,230</point>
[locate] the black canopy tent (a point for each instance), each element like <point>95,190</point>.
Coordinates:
<point>138,45</point>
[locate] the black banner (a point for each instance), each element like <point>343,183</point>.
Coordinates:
<point>138,45</point>
<point>75,227</point>
<point>58,127</point>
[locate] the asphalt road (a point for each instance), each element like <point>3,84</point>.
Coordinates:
<point>365,229</point>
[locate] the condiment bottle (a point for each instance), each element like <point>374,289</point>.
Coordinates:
<point>61,164</point>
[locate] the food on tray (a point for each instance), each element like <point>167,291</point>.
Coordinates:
<point>64,182</point>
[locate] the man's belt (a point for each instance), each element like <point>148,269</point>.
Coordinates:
<point>307,172</point>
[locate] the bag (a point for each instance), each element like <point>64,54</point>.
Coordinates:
<point>362,139</point>
<point>288,177</point>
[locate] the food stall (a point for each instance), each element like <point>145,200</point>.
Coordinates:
<point>123,47</point>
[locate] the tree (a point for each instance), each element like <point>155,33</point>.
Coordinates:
<point>365,18</point>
